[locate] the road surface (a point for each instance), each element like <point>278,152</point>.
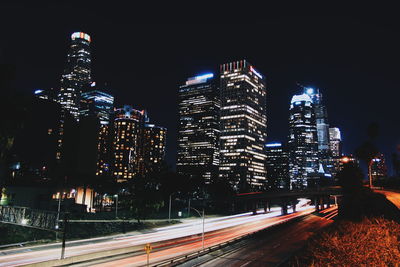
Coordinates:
<point>215,238</point>
<point>174,237</point>
<point>268,248</point>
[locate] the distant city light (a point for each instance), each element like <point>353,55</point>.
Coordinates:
<point>81,35</point>
<point>345,159</point>
<point>310,91</point>
<point>38,91</point>
<point>301,98</point>
<point>273,145</point>
<point>204,76</point>
<point>255,72</point>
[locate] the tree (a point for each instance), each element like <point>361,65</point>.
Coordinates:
<point>145,197</point>
<point>367,151</point>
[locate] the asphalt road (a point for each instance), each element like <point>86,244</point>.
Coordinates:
<point>172,240</point>
<point>269,248</point>
<point>211,239</point>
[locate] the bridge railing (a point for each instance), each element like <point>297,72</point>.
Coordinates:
<point>46,220</point>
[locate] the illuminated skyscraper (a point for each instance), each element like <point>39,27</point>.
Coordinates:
<point>76,77</point>
<point>198,129</point>
<point>152,154</point>
<point>98,104</point>
<point>335,141</point>
<point>303,142</point>
<point>76,74</point>
<point>378,168</point>
<point>321,119</point>
<point>277,166</point>
<point>127,127</point>
<point>243,125</point>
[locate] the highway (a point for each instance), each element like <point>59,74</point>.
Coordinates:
<point>282,242</point>
<point>167,241</point>
<point>268,248</point>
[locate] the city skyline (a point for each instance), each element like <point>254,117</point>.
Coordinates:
<point>340,84</point>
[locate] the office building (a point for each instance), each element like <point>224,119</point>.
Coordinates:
<point>98,104</point>
<point>75,79</point>
<point>243,124</point>
<point>77,73</point>
<point>378,168</point>
<point>335,141</point>
<point>277,161</point>
<point>321,119</point>
<point>303,141</point>
<point>152,145</point>
<point>198,128</point>
<point>128,123</point>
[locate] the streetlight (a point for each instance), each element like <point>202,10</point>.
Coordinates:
<point>58,211</point>
<point>169,210</point>
<point>116,206</point>
<point>202,235</point>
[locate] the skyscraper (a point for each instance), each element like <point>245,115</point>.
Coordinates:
<point>76,77</point>
<point>98,104</point>
<point>152,154</point>
<point>277,166</point>
<point>335,141</point>
<point>127,126</point>
<point>77,73</point>
<point>378,167</point>
<point>243,125</point>
<point>303,142</point>
<point>321,119</point>
<point>198,129</point>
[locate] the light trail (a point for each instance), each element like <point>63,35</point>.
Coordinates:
<point>184,231</point>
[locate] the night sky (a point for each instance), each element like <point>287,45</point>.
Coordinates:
<point>144,56</point>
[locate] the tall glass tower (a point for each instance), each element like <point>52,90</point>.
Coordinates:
<point>303,141</point>
<point>321,119</point>
<point>77,73</point>
<point>198,129</point>
<point>243,125</point>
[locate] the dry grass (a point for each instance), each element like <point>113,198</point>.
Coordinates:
<point>371,242</point>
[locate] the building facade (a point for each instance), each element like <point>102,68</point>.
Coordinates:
<point>152,154</point>
<point>335,141</point>
<point>198,129</point>
<point>303,141</point>
<point>378,168</point>
<point>277,161</point>
<point>128,123</point>
<point>100,105</point>
<point>77,73</point>
<point>243,125</point>
<point>76,77</point>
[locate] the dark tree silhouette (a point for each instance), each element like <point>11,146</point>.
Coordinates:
<point>367,150</point>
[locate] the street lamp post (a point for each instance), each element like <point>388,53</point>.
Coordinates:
<point>58,212</point>
<point>169,210</point>
<point>116,206</point>
<point>203,217</point>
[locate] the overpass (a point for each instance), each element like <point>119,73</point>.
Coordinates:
<point>319,196</point>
